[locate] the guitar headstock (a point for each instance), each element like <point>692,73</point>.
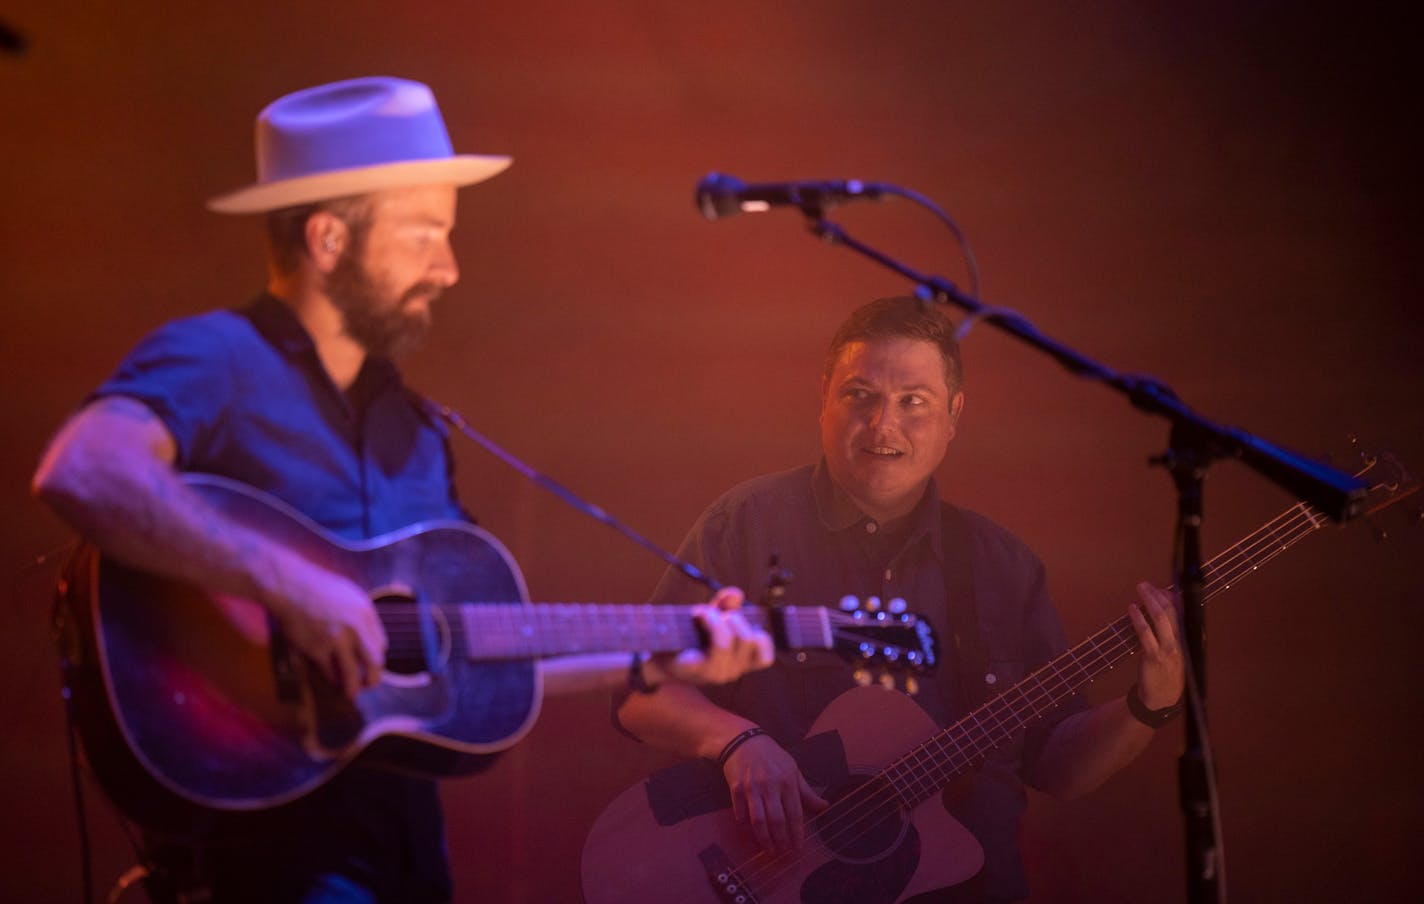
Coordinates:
<point>1389,480</point>
<point>884,637</point>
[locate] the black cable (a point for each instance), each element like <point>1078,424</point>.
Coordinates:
<point>972,265</point>
<point>63,638</point>
<point>567,496</point>
<point>76,780</point>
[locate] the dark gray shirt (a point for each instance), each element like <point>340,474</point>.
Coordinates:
<point>833,549</point>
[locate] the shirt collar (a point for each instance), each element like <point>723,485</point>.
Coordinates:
<point>275,320</point>
<point>279,325</point>
<point>838,512</point>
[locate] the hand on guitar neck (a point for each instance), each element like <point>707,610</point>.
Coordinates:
<point>1089,747</point>
<point>732,648</point>
<point>1160,676</point>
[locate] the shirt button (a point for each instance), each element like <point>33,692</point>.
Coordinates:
<point>871,527</point>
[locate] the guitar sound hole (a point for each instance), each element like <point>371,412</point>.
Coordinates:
<point>405,636</point>
<point>868,822</point>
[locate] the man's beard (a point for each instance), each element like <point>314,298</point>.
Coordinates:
<point>370,317</point>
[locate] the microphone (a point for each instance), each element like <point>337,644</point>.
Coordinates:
<point>721,196</point>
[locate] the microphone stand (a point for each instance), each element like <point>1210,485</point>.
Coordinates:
<point>1194,442</point>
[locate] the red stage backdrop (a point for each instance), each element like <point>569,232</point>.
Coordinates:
<point>1222,194</point>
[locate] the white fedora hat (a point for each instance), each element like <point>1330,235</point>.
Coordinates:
<point>350,138</point>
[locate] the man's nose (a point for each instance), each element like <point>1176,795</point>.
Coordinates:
<point>445,270</point>
<point>882,416</point>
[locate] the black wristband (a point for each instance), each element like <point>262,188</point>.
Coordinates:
<point>736,742</point>
<point>637,682</point>
<point>1152,718</point>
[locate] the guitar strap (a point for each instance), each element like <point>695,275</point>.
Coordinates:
<point>970,663</point>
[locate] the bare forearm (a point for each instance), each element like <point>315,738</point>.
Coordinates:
<point>109,475</point>
<point>1088,748</point>
<point>679,718</point>
<point>597,671</point>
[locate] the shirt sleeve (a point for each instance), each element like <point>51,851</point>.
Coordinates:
<point>1020,624</point>
<point>1043,641</point>
<point>180,372</point>
<point>708,547</point>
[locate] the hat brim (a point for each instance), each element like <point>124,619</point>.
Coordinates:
<point>460,170</point>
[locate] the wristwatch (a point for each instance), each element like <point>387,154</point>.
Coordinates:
<point>1152,718</point>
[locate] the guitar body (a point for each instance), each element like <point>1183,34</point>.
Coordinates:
<point>198,718</point>
<point>187,698</point>
<point>666,839</point>
<point>672,837</point>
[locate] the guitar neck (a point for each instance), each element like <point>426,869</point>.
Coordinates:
<point>920,773</point>
<point>494,631</point>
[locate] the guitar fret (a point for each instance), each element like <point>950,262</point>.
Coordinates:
<point>803,627</point>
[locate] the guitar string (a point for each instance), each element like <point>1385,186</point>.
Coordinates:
<point>562,611</point>
<point>857,825</point>
<point>1271,534</point>
<point>881,797</point>
<point>521,631</point>
<point>406,625</point>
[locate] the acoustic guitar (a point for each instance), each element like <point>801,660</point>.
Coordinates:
<point>883,763</point>
<point>194,711</point>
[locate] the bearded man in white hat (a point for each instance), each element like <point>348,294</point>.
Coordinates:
<point>295,395</point>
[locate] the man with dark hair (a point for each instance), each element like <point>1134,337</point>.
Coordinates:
<point>295,395</point>
<point>867,520</point>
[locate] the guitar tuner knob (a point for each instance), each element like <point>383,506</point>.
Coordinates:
<point>891,654</point>
<point>867,650</point>
<point>872,603</point>
<point>887,681</point>
<point>862,677</point>
<point>898,605</point>
<point>849,603</point>
<point>912,686</point>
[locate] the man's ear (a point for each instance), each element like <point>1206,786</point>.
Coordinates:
<point>956,407</point>
<point>326,235</point>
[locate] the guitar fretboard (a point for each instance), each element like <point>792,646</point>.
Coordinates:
<point>923,771</point>
<point>496,631</point>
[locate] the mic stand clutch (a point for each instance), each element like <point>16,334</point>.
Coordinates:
<point>1194,443</point>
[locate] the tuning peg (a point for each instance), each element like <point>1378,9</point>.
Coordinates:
<point>862,677</point>
<point>887,681</point>
<point>912,687</point>
<point>898,605</point>
<point>778,579</point>
<point>872,604</point>
<point>850,603</point>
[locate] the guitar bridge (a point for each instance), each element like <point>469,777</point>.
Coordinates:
<point>727,883</point>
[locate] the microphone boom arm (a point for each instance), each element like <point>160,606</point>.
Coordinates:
<point>1339,495</point>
